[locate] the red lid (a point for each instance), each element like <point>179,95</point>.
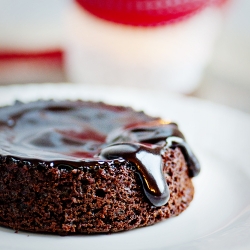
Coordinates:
<point>145,12</point>
<point>54,55</point>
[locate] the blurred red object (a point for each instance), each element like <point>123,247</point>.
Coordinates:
<point>55,56</point>
<point>145,12</point>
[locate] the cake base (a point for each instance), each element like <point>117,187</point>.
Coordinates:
<point>92,200</point>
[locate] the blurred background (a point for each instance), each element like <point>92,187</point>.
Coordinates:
<point>206,55</point>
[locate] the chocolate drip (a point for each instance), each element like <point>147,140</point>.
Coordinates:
<point>161,133</point>
<point>142,145</point>
<point>191,160</point>
<point>148,160</point>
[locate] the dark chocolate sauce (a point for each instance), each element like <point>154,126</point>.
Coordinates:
<point>143,145</point>
<point>191,160</point>
<point>49,131</point>
<point>148,161</point>
<point>157,132</point>
<point>150,132</point>
<point>77,134</point>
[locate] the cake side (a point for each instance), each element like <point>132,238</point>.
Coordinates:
<point>91,200</point>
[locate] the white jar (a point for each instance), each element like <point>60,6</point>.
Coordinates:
<point>171,56</point>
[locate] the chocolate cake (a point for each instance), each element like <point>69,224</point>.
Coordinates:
<point>83,167</point>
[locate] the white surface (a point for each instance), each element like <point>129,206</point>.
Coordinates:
<point>30,25</point>
<point>227,79</point>
<point>232,53</point>
<point>219,216</point>
<point>170,56</point>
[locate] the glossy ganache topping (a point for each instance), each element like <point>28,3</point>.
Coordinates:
<point>78,134</point>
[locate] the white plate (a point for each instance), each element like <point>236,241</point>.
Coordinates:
<point>218,217</point>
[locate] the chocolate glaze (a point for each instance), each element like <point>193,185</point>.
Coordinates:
<point>148,160</point>
<point>143,145</point>
<point>80,134</point>
<point>158,132</point>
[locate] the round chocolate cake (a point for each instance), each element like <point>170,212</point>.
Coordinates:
<point>84,167</point>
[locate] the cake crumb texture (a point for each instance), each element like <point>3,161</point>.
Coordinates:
<point>96,199</point>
